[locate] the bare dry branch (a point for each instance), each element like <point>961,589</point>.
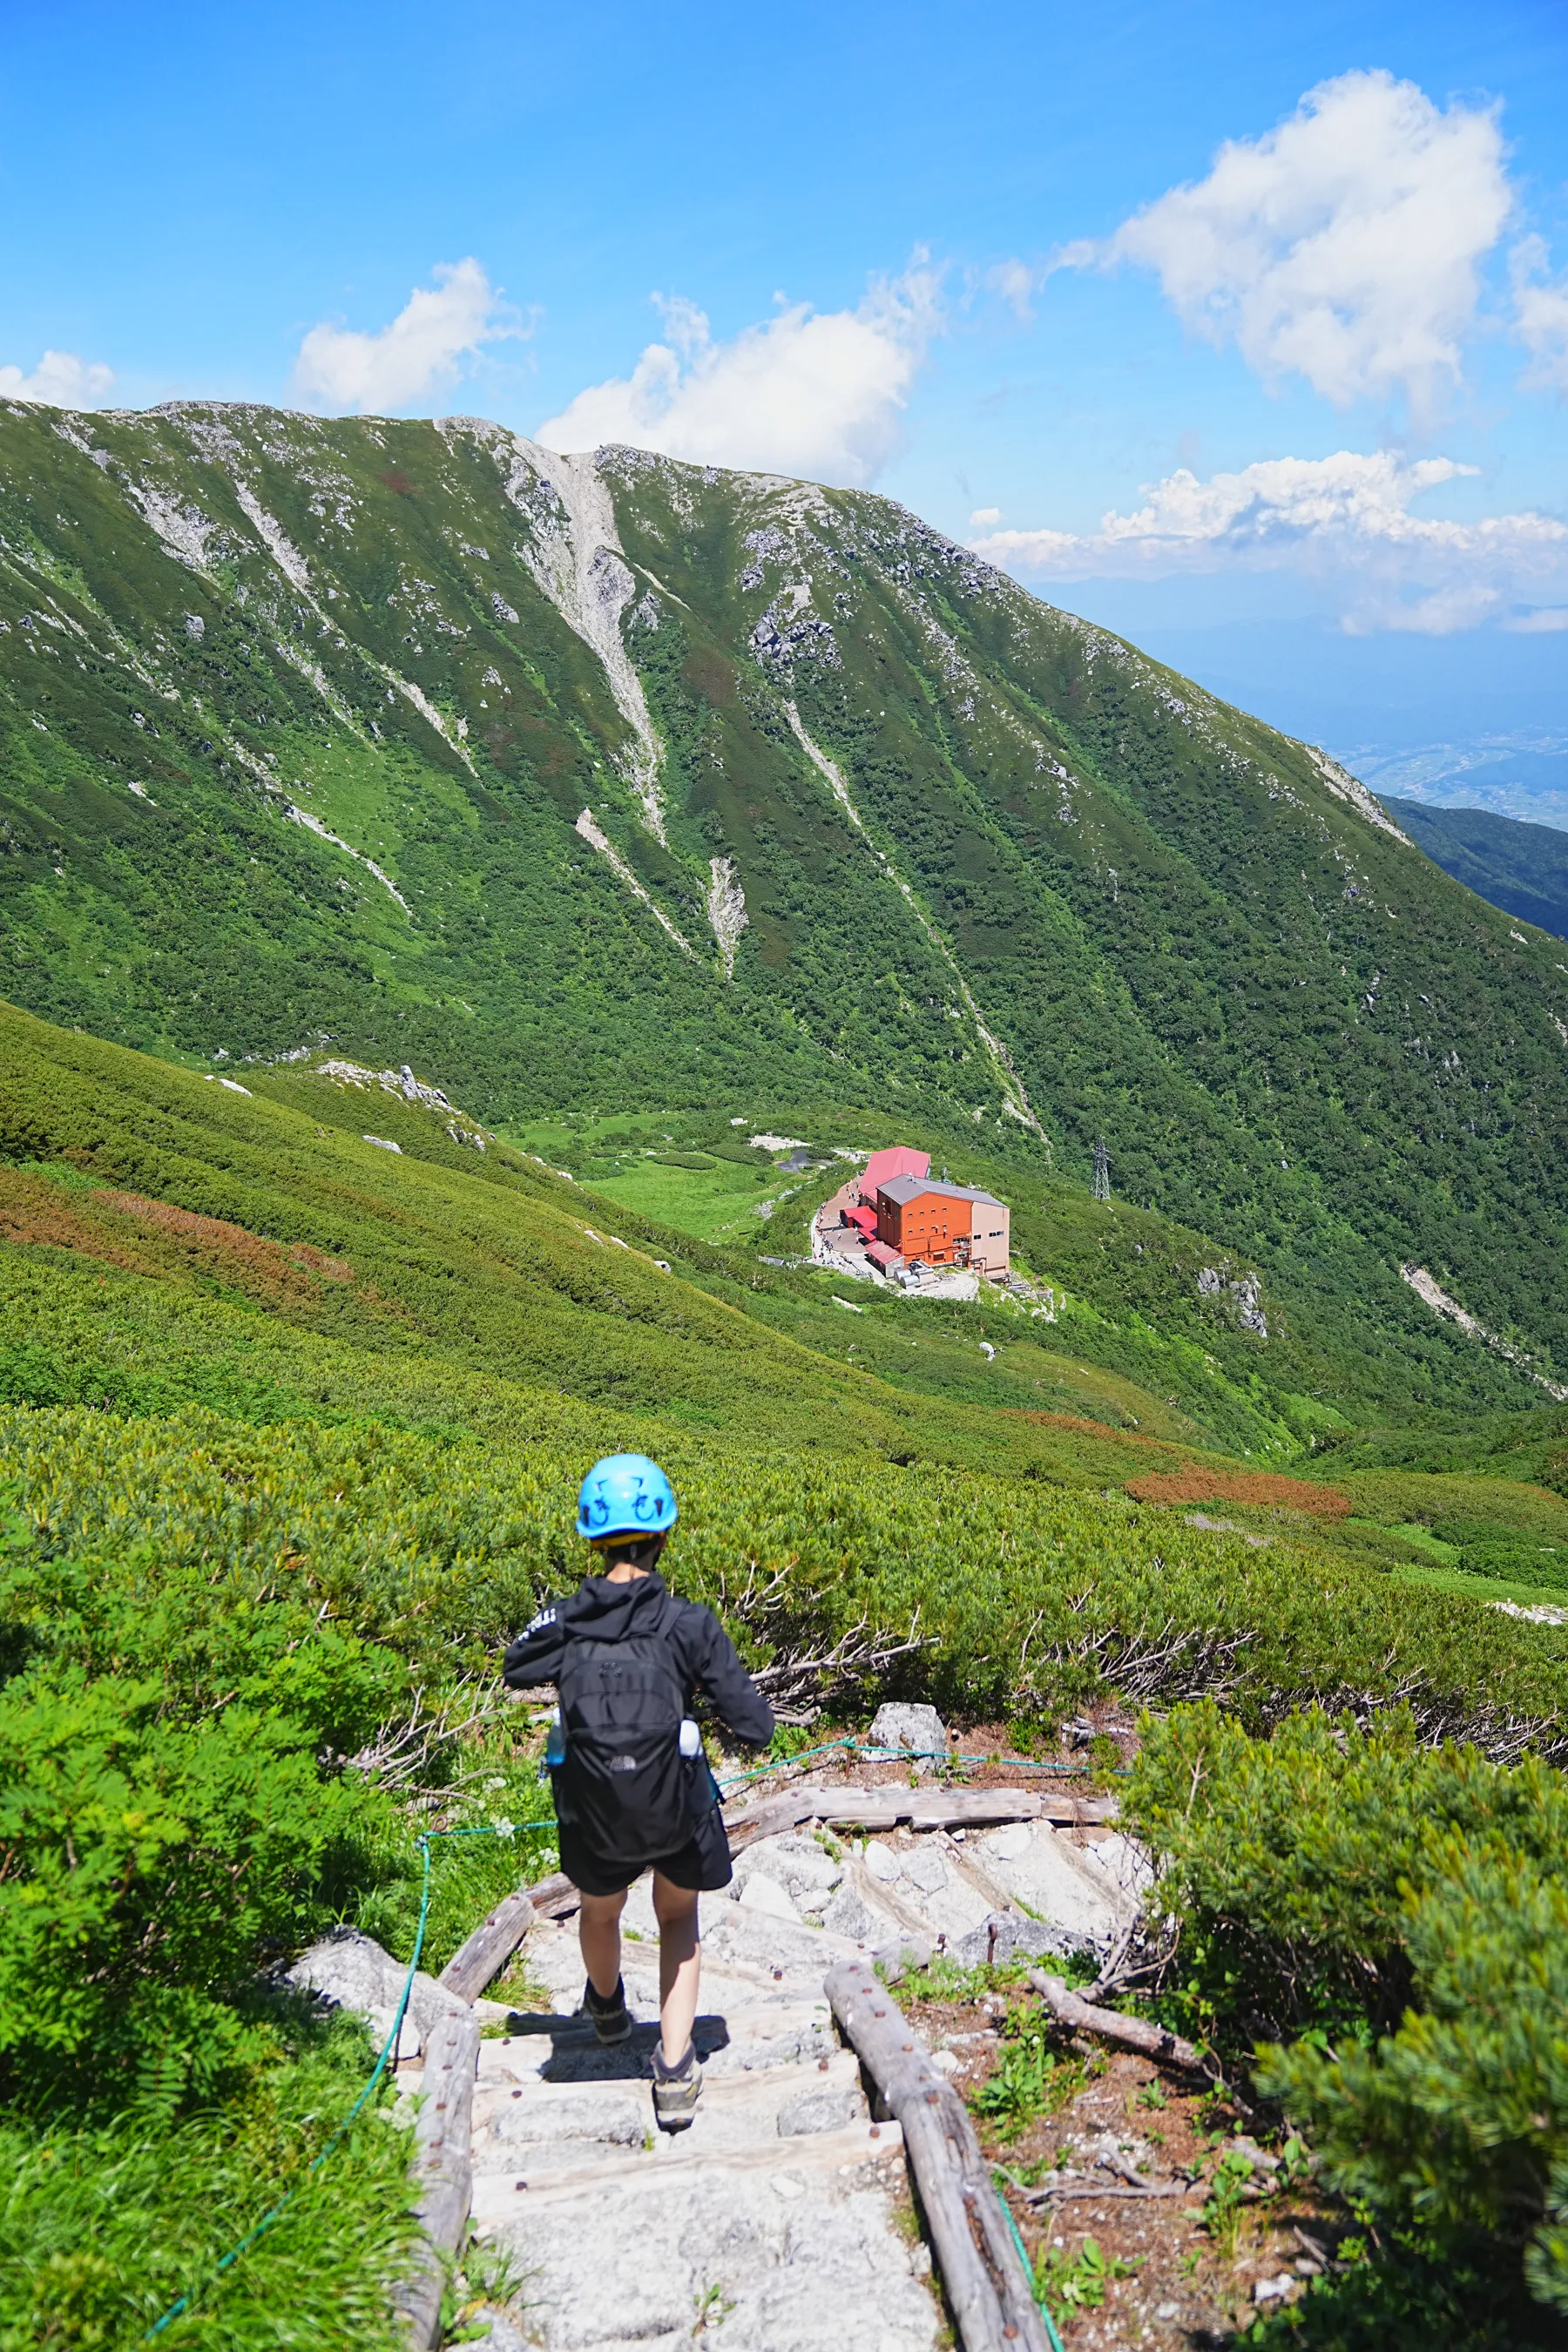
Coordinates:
<point>403,1749</point>
<point>799,1685</point>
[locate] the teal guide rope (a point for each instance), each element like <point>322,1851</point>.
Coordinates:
<point>1028,2267</point>
<point>184,2303</point>
<point>762,1771</point>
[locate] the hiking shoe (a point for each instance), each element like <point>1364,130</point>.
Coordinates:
<point>675,2090</point>
<point>612,2017</point>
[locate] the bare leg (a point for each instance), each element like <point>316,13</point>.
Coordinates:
<point>679,1965</point>
<point>599,1933</point>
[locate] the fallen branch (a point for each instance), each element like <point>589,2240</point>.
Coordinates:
<point>1108,1975</point>
<point>1048,2193</point>
<point>1060,2186</point>
<point>1117,1971</point>
<point>791,1679</point>
<point>401,1753</point>
<point>1131,2032</point>
<point>1176,1662</point>
<point>987,2290</point>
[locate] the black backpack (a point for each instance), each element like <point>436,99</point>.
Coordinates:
<point>624,1784</point>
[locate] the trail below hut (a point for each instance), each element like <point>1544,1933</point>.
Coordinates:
<point>784,2213</point>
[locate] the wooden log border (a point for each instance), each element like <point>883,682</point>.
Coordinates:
<point>990,2297</point>
<point>442,2168</point>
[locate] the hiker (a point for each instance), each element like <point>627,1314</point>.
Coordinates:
<point>632,1783</point>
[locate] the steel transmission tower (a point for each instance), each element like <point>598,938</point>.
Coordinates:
<point>1101,1191</point>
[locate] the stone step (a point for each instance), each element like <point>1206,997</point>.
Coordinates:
<point>747,1945</point>
<point>675,2160</point>
<point>768,2249</point>
<point>742,2037</point>
<point>550,2119</point>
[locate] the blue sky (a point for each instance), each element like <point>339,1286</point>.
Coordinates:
<point>1282,292</point>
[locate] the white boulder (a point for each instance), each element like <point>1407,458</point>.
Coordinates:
<point>900,1729</point>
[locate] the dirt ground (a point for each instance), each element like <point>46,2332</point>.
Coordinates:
<point>1182,2269</point>
<point>1092,2129</point>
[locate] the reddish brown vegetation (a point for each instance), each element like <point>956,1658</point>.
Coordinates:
<point>1263,1487</point>
<point>35,1210</point>
<point>216,1233</point>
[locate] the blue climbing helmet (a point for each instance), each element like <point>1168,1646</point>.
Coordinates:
<point>625,1495</point>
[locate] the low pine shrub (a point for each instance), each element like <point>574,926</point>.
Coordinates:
<point>1025,1598</point>
<point>1516,1558</point>
<point>166,1820</point>
<point>1263,1488</point>
<point>1382,1930</point>
<point>145,1866</point>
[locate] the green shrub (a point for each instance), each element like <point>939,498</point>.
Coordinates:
<point>166,1819</point>
<point>1401,1913</point>
<point>104,2224</point>
<point>145,1866</point>
<point>1460,2118</point>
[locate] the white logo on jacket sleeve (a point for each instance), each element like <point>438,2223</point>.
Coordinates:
<point>545,1617</point>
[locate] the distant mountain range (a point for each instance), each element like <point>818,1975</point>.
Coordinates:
<point>1379,695</point>
<point>1529,781</point>
<point>1523,868</point>
<point>605,781</point>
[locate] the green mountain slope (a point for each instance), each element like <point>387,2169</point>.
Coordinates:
<point>614,783</point>
<point>172,1244</point>
<point>167,1239</point>
<point>314,1243</point>
<point>1522,868</point>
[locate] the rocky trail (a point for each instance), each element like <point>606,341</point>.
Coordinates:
<point>784,2213</point>
<point>776,2214</point>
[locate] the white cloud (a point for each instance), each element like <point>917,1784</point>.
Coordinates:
<point>1016,282</point>
<point>420,353</point>
<point>60,380</point>
<point>986,515</point>
<point>1440,615</point>
<point>1346,517</point>
<point>1344,245</point>
<point>1541,314</point>
<point>820,395</point>
<point>1543,621</point>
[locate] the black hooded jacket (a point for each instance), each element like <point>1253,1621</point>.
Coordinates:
<point>602,1611</point>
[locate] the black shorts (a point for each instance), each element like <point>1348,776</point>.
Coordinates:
<point>702,1864</point>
